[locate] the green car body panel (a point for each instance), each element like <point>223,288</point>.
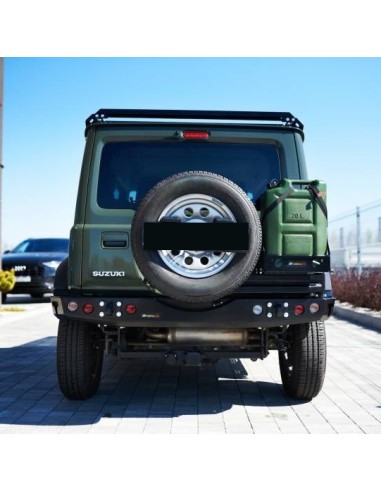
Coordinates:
<point>92,222</point>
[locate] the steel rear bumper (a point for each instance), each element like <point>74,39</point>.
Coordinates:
<point>156,312</point>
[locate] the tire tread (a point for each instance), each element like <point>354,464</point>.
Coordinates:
<point>309,347</point>
<point>74,360</point>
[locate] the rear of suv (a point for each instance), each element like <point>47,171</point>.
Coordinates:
<point>197,236</point>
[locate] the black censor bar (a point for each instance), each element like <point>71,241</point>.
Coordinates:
<point>214,236</point>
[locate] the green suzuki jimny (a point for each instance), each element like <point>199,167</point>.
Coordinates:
<point>197,236</point>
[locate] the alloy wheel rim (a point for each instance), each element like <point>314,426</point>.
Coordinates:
<point>196,208</point>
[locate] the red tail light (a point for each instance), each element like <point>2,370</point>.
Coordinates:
<point>130,309</point>
<point>298,309</point>
<point>88,308</point>
<point>195,134</point>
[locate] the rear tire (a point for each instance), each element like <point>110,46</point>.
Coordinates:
<point>79,358</point>
<point>174,282</point>
<point>303,365</point>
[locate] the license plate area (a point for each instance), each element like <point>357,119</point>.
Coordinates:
<point>23,278</point>
<point>228,236</point>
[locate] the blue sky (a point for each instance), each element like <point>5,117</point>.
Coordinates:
<point>46,101</point>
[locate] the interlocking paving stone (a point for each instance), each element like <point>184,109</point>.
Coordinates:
<point>233,396</point>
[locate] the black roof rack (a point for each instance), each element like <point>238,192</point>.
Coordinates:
<point>286,118</point>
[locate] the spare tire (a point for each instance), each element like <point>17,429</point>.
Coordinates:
<point>196,276</point>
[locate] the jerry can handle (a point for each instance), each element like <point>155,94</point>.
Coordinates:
<point>303,181</point>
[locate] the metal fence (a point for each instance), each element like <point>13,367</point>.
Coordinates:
<point>355,239</point>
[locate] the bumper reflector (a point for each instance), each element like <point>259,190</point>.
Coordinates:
<point>72,306</point>
<point>314,308</point>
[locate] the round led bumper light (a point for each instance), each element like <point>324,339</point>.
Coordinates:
<point>257,309</point>
<point>72,306</point>
<point>314,307</point>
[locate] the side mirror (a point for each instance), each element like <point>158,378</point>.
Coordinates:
<point>6,252</point>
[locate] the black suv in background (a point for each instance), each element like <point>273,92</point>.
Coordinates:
<point>35,262</point>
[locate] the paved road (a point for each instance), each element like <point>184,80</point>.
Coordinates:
<point>150,397</point>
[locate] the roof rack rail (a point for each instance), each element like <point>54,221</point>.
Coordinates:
<point>287,118</point>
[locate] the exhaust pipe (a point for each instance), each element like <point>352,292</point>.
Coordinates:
<point>194,336</point>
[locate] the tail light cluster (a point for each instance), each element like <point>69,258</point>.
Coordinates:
<point>105,308</point>
<point>312,308</point>
<point>284,309</point>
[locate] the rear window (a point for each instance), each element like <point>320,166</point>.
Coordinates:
<point>128,170</point>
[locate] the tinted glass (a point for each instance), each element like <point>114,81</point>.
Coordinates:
<point>128,170</point>
<point>43,246</point>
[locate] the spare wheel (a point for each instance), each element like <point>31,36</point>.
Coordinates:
<point>187,275</point>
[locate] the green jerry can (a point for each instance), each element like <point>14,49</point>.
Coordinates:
<point>294,218</point>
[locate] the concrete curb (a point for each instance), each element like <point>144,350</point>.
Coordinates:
<point>370,319</point>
